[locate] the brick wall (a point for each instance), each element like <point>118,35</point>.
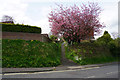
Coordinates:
<point>25,36</point>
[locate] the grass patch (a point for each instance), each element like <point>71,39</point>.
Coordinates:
<point>22,53</point>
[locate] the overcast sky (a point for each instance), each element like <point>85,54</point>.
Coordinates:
<point>35,12</point>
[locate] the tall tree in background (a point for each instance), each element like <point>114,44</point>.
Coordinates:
<point>7,19</point>
<point>75,23</point>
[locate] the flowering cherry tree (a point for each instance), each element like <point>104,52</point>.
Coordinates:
<point>75,23</point>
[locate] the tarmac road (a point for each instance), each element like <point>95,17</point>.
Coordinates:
<point>109,71</point>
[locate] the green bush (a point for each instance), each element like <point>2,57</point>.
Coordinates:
<point>105,39</point>
<point>101,43</point>
<point>33,53</point>
<point>114,47</point>
<point>7,27</point>
<point>89,53</point>
<point>53,38</point>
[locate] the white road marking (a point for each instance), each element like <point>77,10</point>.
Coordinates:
<point>90,68</point>
<point>91,77</point>
<point>53,71</point>
<point>112,72</point>
<point>15,73</point>
<point>75,67</point>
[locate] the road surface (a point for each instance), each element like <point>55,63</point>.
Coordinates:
<point>110,71</point>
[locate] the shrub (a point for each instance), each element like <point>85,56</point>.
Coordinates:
<point>89,53</point>
<point>101,43</point>
<point>53,38</point>
<point>114,47</point>
<point>7,27</point>
<point>105,39</point>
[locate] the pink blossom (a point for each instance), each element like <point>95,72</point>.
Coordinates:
<point>75,21</point>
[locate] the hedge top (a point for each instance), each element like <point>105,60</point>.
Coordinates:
<point>7,27</point>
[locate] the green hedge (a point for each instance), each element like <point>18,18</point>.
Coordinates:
<point>114,47</point>
<point>21,53</point>
<point>7,27</point>
<point>89,53</point>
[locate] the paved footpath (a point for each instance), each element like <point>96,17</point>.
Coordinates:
<point>64,60</point>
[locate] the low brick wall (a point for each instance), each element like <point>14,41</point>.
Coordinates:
<point>25,36</point>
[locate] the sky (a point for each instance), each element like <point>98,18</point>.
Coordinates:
<point>36,12</point>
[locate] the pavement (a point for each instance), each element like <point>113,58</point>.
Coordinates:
<point>58,68</point>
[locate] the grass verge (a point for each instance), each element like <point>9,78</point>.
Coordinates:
<point>22,53</point>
